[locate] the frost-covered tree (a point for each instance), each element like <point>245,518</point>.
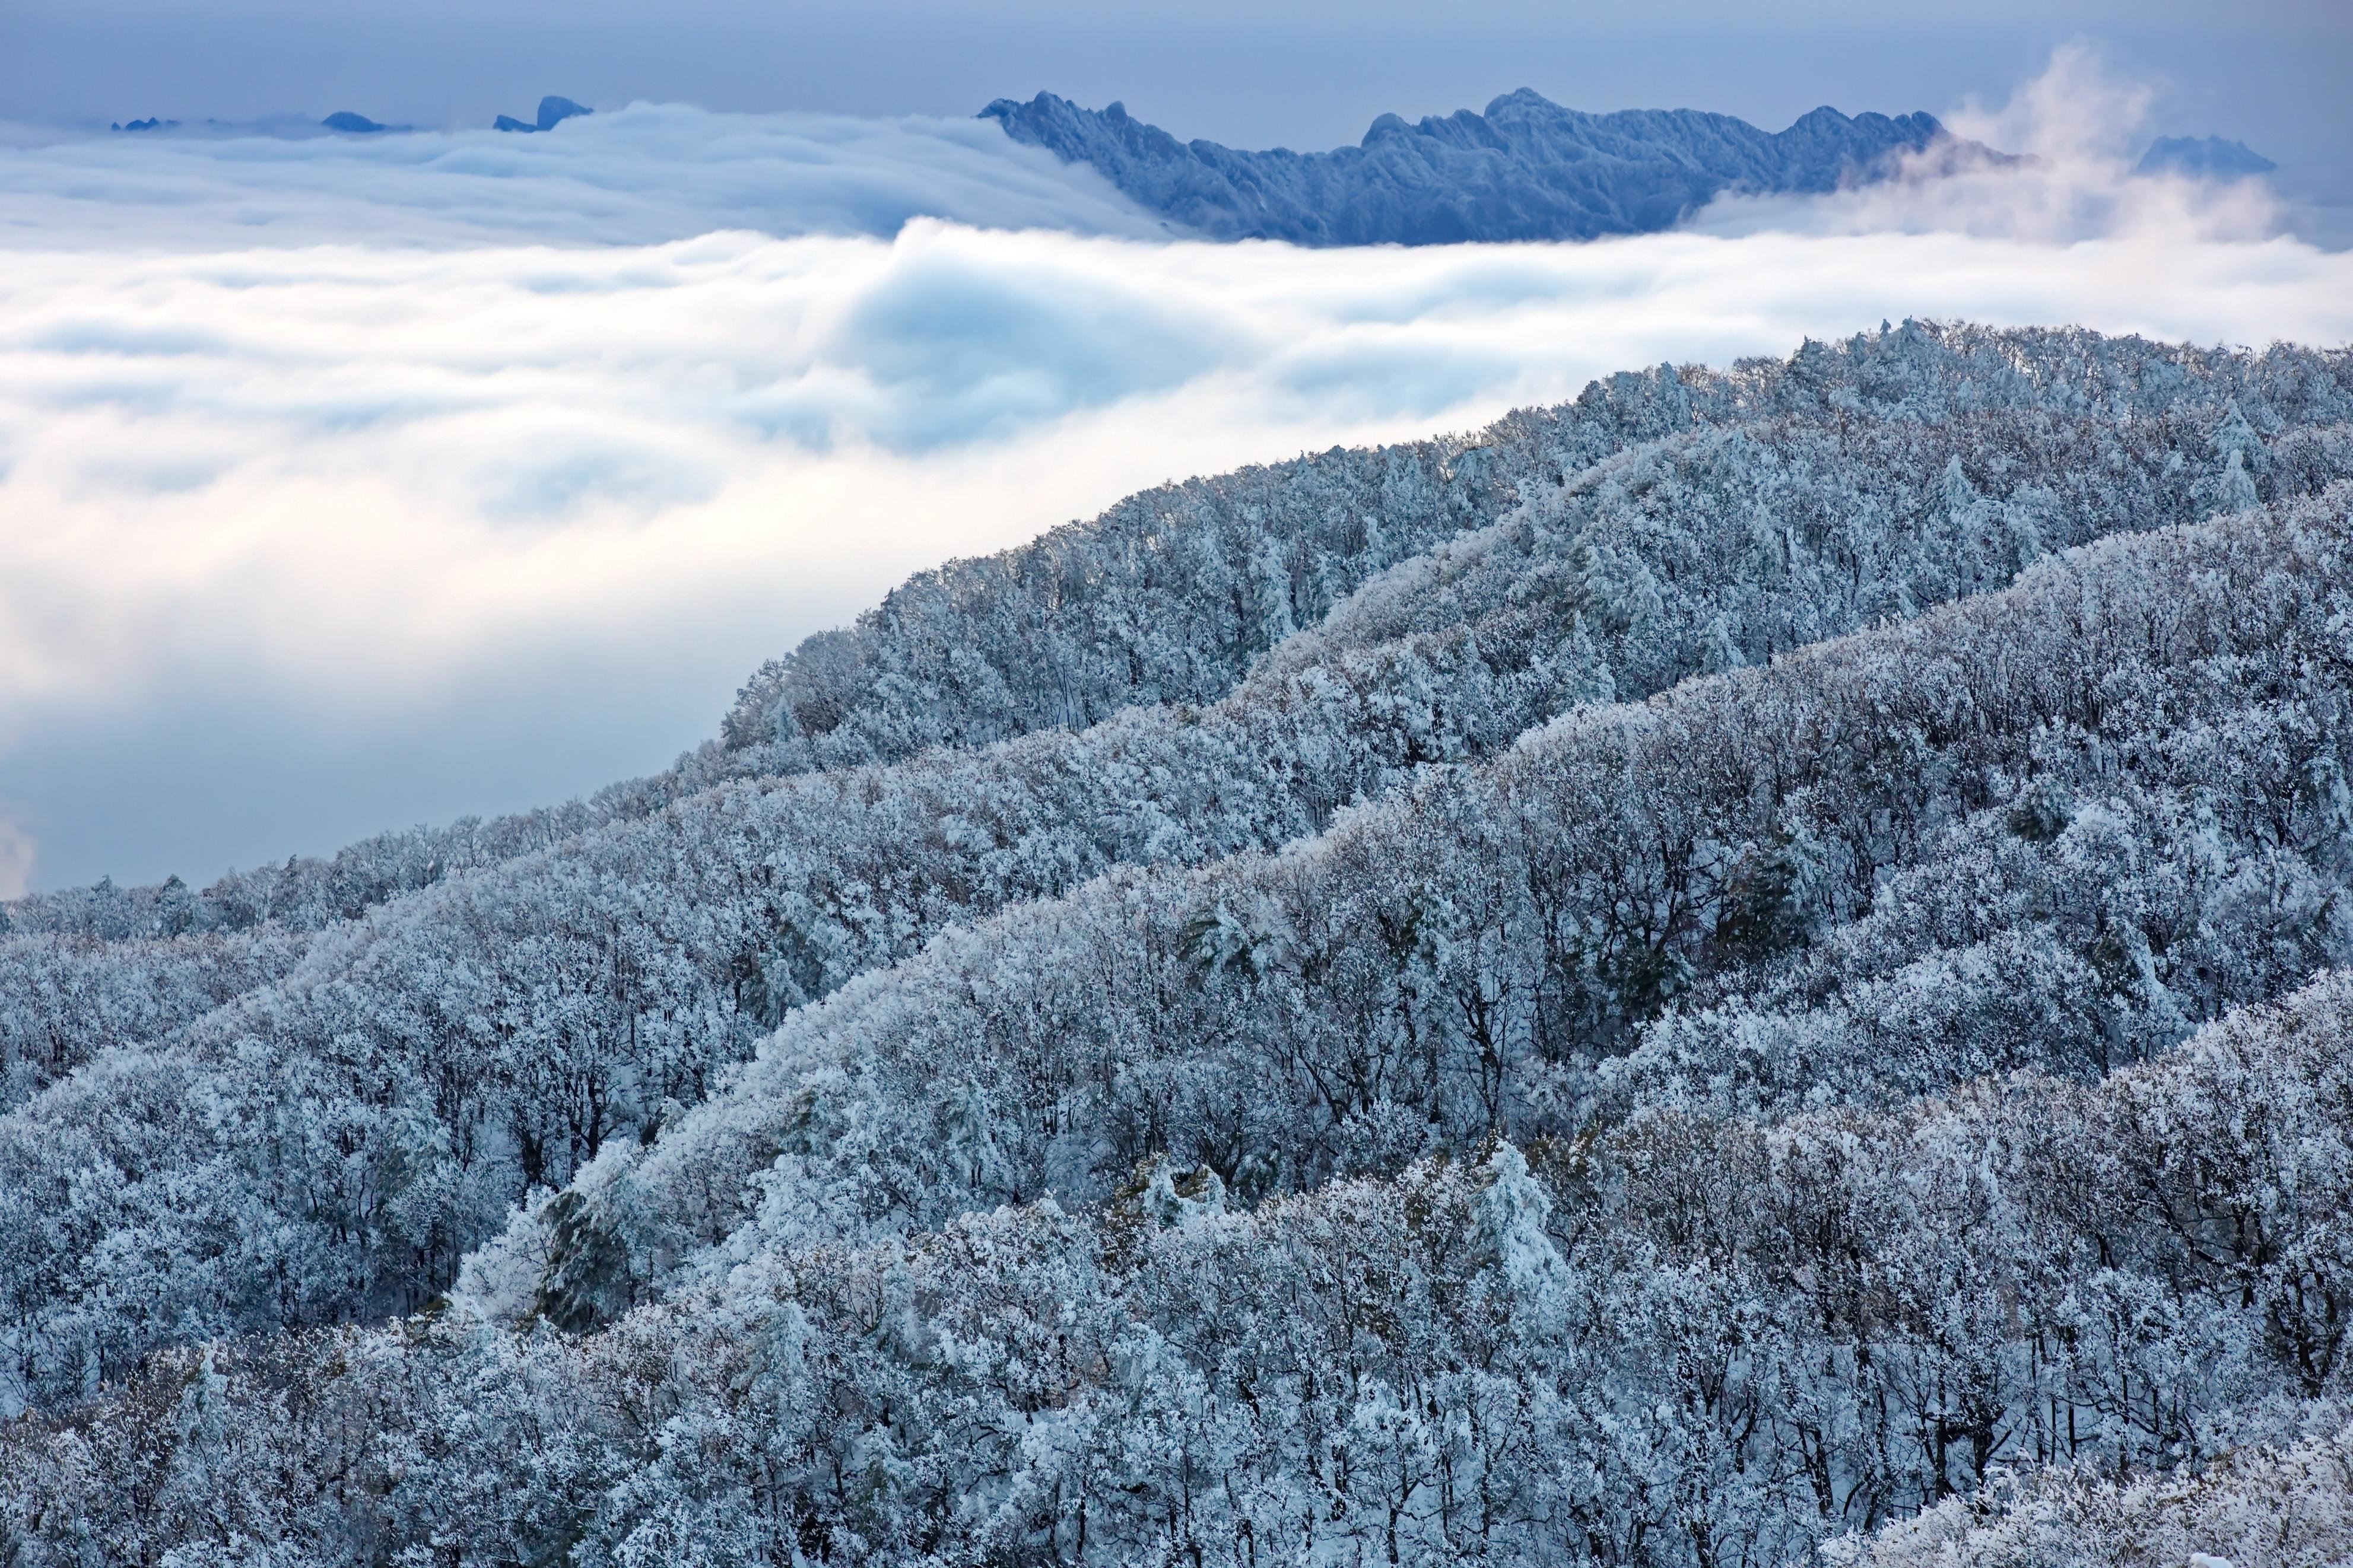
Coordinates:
<point>1692,983</point>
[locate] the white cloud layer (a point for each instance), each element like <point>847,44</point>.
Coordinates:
<point>636,174</point>
<point>454,489</point>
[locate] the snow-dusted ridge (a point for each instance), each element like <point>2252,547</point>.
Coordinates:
<point>1527,169</point>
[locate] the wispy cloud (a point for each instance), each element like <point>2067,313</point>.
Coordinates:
<point>2078,129</point>
<point>17,860</point>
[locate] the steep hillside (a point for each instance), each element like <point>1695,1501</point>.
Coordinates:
<point>2049,829</point>
<point>1683,1335</point>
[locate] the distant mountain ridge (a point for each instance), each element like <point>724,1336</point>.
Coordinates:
<point>553,112</point>
<point>1527,169</point>
<point>2203,158</point>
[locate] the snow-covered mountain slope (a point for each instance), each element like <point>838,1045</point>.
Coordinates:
<point>1675,1332</point>
<point>1527,169</point>
<point>1769,972</point>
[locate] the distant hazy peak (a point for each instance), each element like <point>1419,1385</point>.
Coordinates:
<point>1525,169</point>
<point>553,112</point>
<point>2203,158</point>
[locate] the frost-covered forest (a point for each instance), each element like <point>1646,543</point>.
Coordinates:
<point>1751,969</point>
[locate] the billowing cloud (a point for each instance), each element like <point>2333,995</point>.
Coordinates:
<point>536,507</point>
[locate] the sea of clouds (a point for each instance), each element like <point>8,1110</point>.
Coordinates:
<point>638,173</point>
<point>345,482</point>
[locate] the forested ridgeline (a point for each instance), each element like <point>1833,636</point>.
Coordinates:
<point>1170,595</point>
<point>1697,551</point>
<point>330,1144</point>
